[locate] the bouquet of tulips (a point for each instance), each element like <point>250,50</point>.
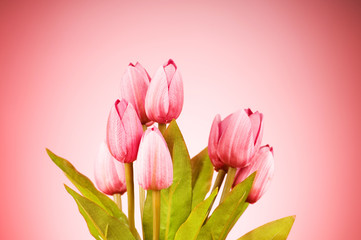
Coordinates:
<point>176,196</point>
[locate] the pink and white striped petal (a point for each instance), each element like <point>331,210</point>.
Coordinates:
<point>155,167</point>
<point>109,173</point>
<point>263,163</point>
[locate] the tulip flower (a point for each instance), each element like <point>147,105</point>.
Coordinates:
<point>133,88</point>
<point>155,170</point>
<point>109,173</point>
<point>263,163</point>
<point>164,99</point>
<point>155,167</point>
<point>124,131</point>
<point>235,140</point>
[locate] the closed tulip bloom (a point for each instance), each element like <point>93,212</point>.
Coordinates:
<point>109,173</point>
<point>124,131</point>
<point>239,137</point>
<point>263,163</point>
<point>155,167</point>
<point>164,100</point>
<point>133,88</point>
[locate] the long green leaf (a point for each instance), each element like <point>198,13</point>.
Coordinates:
<point>190,228</point>
<point>176,201</point>
<point>86,187</point>
<point>276,230</point>
<point>202,173</point>
<point>147,220</point>
<point>91,226</point>
<point>227,213</point>
<point>107,226</point>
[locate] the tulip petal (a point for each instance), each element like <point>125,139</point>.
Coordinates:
<point>213,143</point>
<point>169,69</point>
<point>157,99</point>
<point>116,135</point>
<point>175,97</point>
<point>133,88</point>
<point>121,106</point>
<point>257,128</point>
<point>224,124</point>
<point>134,130</point>
<point>236,145</point>
<point>109,173</point>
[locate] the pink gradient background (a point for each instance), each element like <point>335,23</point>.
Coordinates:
<point>297,62</point>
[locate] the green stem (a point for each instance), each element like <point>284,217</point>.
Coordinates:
<point>118,200</point>
<point>156,213</point>
<point>229,182</point>
<point>130,192</point>
<point>219,179</point>
<point>162,127</point>
<point>141,190</point>
<point>141,200</point>
<point>217,184</point>
<point>142,195</point>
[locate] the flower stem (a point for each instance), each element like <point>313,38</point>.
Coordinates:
<point>156,213</point>
<point>141,190</point>
<point>162,127</point>
<point>219,179</point>
<point>229,182</point>
<point>130,194</point>
<point>217,184</point>
<point>141,200</point>
<point>118,200</point>
<point>142,194</point>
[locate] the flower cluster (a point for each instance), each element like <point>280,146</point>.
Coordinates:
<point>144,101</point>
<point>168,178</point>
<point>233,142</point>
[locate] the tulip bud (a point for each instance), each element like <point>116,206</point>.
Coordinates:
<point>109,173</point>
<point>133,88</point>
<point>124,131</point>
<point>263,163</point>
<point>239,137</point>
<point>155,167</point>
<point>164,100</point>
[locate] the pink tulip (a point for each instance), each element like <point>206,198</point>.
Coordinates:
<point>164,100</point>
<point>263,163</point>
<point>109,173</point>
<point>234,141</point>
<point>124,131</point>
<point>133,88</point>
<point>155,167</point>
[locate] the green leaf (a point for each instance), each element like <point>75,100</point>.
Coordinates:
<point>107,226</point>
<point>176,201</point>
<point>191,227</point>
<point>276,230</point>
<point>86,187</point>
<point>227,213</point>
<point>202,173</point>
<point>147,220</point>
<point>91,226</point>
